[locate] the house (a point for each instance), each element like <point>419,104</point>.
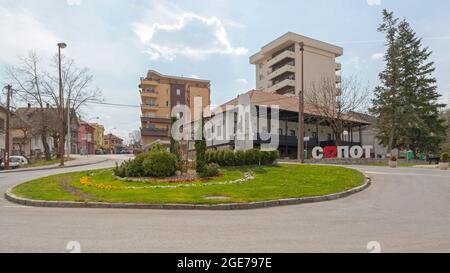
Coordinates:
<point>99,132</point>
<point>27,130</point>
<point>112,144</point>
<point>3,113</point>
<point>86,134</point>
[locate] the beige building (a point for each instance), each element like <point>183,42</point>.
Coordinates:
<point>159,95</point>
<point>98,135</point>
<point>279,64</point>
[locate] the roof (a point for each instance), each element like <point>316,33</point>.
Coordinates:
<point>111,136</point>
<point>286,103</point>
<point>289,38</point>
<point>177,77</point>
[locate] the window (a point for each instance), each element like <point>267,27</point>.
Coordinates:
<point>2,125</point>
<point>314,135</point>
<point>281,132</point>
<point>167,104</point>
<point>151,115</point>
<point>329,137</point>
<point>292,132</point>
<point>178,92</point>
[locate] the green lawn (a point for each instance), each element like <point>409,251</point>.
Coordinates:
<point>43,162</point>
<point>269,183</point>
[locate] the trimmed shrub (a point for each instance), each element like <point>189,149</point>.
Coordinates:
<point>444,158</point>
<point>211,169</point>
<point>252,157</point>
<point>160,163</point>
<point>239,158</point>
<point>228,158</point>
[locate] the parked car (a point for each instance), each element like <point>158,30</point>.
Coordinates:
<point>16,162</point>
<point>433,159</point>
<point>99,152</point>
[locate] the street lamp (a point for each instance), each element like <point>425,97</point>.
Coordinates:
<point>61,105</point>
<point>301,119</point>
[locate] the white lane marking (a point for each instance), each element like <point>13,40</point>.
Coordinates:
<point>11,207</point>
<point>409,174</point>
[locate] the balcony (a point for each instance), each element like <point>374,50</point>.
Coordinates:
<point>155,132</point>
<point>282,84</point>
<point>150,106</point>
<point>338,79</point>
<point>146,94</point>
<point>281,71</point>
<point>155,120</point>
<point>281,57</point>
<point>338,66</point>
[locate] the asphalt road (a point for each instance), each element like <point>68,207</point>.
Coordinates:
<point>405,210</point>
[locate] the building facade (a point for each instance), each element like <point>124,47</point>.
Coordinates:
<point>159,95</point>
<point>2,130</point>
<point>85,138</point>
<point>279,64</point>
<point>99,132</point>
<point>112,144</point>
<point>285,132</point>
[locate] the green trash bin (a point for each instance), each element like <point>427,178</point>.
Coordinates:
<point>306,154</point>
<point>410,155</point>
<point>421,156</point>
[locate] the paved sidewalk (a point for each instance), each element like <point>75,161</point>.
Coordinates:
<point>77,161</point>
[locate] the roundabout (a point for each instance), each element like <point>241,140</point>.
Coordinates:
<point>237,188</point>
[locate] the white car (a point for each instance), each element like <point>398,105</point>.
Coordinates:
<point>16,162</point>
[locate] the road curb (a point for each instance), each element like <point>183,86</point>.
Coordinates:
<point>52,168</point>
<point>241,206</point>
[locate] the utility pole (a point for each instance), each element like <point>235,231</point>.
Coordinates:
<point>301,113</point>
<point>61,106</point>
<point>7,134</point>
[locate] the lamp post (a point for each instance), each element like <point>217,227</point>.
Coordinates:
<point>301,119</point>
<point>61,105</point>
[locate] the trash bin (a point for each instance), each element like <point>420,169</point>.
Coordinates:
<point>421,156</point>
<point>306,154</point>
<point>410,155</point>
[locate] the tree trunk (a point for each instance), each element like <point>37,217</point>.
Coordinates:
<point>48,155</point>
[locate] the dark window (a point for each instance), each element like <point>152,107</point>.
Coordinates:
<point>2,125</point>
<point>329,137</point>
<point>292,132</point>
<point>281,132</point>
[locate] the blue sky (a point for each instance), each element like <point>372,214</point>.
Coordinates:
<point>120,40</point>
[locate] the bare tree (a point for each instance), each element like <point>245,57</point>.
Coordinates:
<point>135,138</point>
<point>28,82</point>
<point>40,86</point>
<point>337,104</point>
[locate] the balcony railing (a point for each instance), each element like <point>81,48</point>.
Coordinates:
<point>159,132</point>
<point>282,84</point>
<point>282,56</point>
<point>280,71</point>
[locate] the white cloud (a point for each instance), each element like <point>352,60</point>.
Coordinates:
<point>73,2</point>
<point>192,36</point>
<point>24,32</point>
<point>373,2</point>
<point>243,81</point>
<point>377,56</point>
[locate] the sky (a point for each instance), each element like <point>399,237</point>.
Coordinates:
<point>119,41</point>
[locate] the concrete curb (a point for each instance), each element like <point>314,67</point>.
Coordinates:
<point>244,206</point>
<point>53,168</point>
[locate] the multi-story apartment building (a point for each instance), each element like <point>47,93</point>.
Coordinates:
<point>160,94</point>
<point>3,113</point>
<point>279,64</point>
<point>99,132</point>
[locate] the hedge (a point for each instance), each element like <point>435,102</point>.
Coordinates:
<point>228,158</point>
